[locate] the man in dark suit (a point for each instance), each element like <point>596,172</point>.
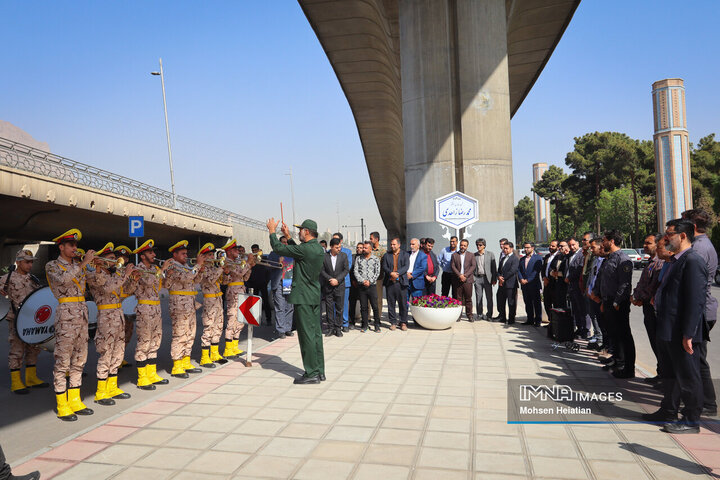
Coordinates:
<point>463,267</point>
<point>529,275</point>
<point>433,268</point>
<point>485,278</point>
<point>558,271</point>
<point>681,328</point>
<point>332,276</point>
<point>395,265</point>
<point>507,284</point>
<point>548,281</point>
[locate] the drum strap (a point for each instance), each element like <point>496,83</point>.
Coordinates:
<point>109,306</point>
<point>213,295</point>
<point>181,292</point>
<point>231,284</point>
<point>148,302</point>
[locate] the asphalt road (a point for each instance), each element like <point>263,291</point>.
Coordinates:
<point>28,423</point>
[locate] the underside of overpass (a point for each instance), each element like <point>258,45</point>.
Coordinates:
<point>405,65</point>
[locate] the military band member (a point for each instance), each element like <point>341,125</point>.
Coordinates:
<point>212,315</point>
<point>106,284</point>
<point>235,274</point>
<point>66,279</point>
<point>180,280</point>
<point>146,287</point>
<point>17,285</point>
<point>121,251</point>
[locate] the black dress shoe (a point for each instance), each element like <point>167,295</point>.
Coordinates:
<point>21,391</point>
<point>303,380</point>
<point>346,329</point>
<point>195,370</point>
<point>681,427</point>
<point>660,416</point>
<point>338,333</point>
<point>498,318</point>
<point>652,380</point>
<point>377,329</point>
<point>709,412</point>
<point>329,333</point>
<point>623,374</point>
<point>281,335</point>
<point>105,401</point>
<point>471,318</point>
<point>511,322</point>
<point>526,323</point>
<point>184,375</point>
<point>147,387</point>
<point>85,411</point>
<point>322,377</point>
<point>289,334</point>
<point>607,360</point>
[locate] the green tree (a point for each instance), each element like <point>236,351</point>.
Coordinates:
<point>525,220</point>
<point>705,174</point>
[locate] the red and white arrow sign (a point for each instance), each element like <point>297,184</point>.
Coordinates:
<point>250,308</point>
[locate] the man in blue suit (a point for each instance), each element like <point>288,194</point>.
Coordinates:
<point>348,252</point>
<point>416,269</point>
<point>681,328</point>
<point>395,265</point>
<point>530,284</point>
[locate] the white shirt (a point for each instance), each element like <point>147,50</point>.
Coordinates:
<point>462,263</point>
<point>547,269</point>
<point>413,257</point>
<point>333,260</point>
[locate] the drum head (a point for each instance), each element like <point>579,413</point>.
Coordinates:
<point>36,316</point>
<point>129,304</point>
<point>4,308</point>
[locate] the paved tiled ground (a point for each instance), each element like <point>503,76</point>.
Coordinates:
<point>397,405</point>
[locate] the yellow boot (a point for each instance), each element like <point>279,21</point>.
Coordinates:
<point>75,402</point>
<point>156,379</point>
<point>64,412</point>
<point>16,384</point>
<point>215,355</point>
<point>236,349</point>
<point>144,382</point>
<point>113,391</point>
<point>229,351</point>
<point>178,370</point>
<point>189,367</point>
<point>31,378</point>
<point>205,359</point>
<point>101,395</point>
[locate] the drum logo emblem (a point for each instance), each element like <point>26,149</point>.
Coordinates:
<point>42,314</point>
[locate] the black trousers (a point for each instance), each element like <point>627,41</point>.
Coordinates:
<point>531,297</point>
<point>509,296</point>
<point>684,382</point>
<point>602,318</point>
<point>396,293</point>
<point>483,286</point>
<point>369,295</point>
<point>447,284</point>
<point>334,304</point>
<point>710,400</point>
<point>353,299</point>
<point>618,322</point>
<point>650,321</point>
<point>430,288</point>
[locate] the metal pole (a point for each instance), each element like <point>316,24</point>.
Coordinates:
<point>362,229</point>
<point>292,193</point>
<point>136,247</point>
<point>167,132</point>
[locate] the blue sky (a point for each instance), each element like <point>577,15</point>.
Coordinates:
<point>251,93</point>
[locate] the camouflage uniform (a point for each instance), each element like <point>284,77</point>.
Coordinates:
<point>235,280</point>
<point>148,314</point>
<point>20,286</point>
<point>110,337</point>
<point>180,284</point>
<point>212,316</point>
<point>67,282</point>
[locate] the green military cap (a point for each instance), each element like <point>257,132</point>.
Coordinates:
<point>309,224</point>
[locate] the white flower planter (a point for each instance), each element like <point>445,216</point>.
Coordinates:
<point>435,318</point>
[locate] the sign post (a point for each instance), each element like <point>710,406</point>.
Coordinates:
<point>136,229</point>
<point>456,210</point>
<point>250,310</point>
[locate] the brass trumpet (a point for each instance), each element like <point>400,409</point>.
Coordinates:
<point>109,263</point>
<point>259,260</point>
<point>177,266</point>
<point>219,259</point>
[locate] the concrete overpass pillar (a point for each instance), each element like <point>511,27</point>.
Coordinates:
<point>456,113</point>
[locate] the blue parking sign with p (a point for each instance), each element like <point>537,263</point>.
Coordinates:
<point>136,226</point>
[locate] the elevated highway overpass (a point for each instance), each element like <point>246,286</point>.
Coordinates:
<point>43,194</point>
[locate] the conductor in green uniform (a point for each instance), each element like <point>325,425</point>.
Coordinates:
<point>305,294</point>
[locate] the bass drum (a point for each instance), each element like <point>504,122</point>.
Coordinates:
<point>92,318</point>
<point>36,319</point>
<point>4,308</point>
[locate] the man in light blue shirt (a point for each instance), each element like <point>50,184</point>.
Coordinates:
<point>346,310</point>
<point>444,259</point>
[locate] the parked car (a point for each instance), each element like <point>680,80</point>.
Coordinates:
<point>645,256</point>
<point>542,251</point>
<point>634,256</point>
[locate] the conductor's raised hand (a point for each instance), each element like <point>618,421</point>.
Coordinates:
<point>285,231</point>
<point>272,225</point>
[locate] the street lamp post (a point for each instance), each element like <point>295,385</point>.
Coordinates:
<point>167,132</point>
<point>362,228</point>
